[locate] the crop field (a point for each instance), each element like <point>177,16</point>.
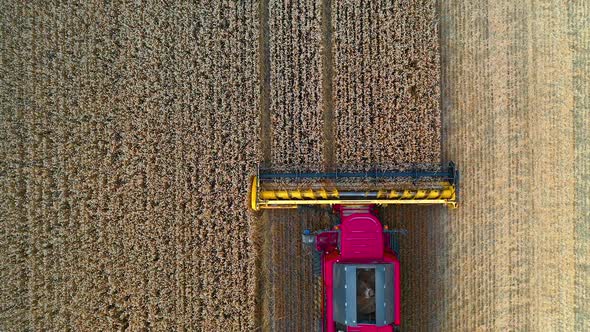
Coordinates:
<point>128,135</point>
<point>385,83</point>
<point>129,131</point>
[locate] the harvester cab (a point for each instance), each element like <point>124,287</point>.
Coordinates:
<point>357,259</point>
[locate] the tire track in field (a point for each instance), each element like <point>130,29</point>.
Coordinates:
<point>327,91</point>
<point>265,89</point>
<point>262,230</point>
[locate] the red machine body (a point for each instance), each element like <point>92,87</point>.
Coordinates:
<point>359,243</point>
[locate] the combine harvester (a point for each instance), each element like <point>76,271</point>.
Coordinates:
<point>358,259</point>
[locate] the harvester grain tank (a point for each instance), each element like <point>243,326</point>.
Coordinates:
<point>358,258</point>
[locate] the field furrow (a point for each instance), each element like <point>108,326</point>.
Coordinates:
<point>15,235</point>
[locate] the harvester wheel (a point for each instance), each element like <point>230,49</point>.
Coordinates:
<point>334,220</point>
<point>316,277</point>
<point>316,258</point>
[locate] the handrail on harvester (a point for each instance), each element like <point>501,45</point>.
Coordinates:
<point>417,187</point>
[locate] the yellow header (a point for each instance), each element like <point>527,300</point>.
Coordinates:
<point>444,193</point>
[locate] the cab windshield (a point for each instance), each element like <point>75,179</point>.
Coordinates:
<point>365,296</point>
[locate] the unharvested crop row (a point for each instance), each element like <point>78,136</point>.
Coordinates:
<point>130,135</point>
<point>295,84</point>
<point>385,83</point>
<point>230,127</point>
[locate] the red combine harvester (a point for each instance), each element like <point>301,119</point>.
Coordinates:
<point>358,259</point>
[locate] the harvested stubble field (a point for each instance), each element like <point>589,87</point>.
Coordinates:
<point>128,133</point>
